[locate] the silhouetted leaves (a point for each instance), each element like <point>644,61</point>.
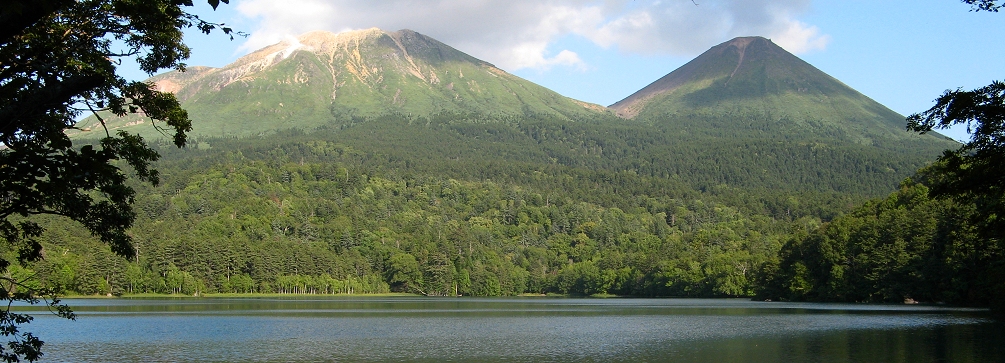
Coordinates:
<point>57,57</point>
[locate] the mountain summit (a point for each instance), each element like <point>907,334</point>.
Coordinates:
<point>752,75</point>
<point>320,78</point>
<point>745,117</point>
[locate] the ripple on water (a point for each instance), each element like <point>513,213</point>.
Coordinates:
<point>518,330</point>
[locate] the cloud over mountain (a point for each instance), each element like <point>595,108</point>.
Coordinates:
<point>517,34</point>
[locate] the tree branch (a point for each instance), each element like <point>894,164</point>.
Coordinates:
<point>36,104</point>
<point>18,15</point>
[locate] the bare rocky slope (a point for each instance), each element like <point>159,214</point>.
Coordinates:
<point>322,78</point>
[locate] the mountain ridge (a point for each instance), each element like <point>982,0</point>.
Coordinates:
<point>333,77</point>
<point>320,42</point>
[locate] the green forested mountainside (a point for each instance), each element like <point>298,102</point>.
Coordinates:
<point>753,75</point>
<point>265,222</point>
<point>321,78</point>
<point>708,155</point>
<point>478,206</point>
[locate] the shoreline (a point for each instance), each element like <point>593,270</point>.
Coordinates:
<point>225,295</point>
<point>278,295</point>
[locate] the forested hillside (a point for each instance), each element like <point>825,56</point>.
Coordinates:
<point>906,247</point>
<point>472,205</point>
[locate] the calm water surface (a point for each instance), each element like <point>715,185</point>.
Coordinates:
<point>513,330</point>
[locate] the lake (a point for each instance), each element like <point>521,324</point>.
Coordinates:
<point>513,330</point>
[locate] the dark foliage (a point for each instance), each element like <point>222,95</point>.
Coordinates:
<point>985,5</point>
<point>56,55</point>
<point>975,172</point>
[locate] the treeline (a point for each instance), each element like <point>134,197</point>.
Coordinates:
<point>608,162</point>
<point>905,247</point>
<point>697,150</point>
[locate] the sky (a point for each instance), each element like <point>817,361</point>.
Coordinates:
<point>901,53</point>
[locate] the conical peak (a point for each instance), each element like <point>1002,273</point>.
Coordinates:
<point>747,40</point>
<point>737,63</point>
<point>742,42</point>
<point>741,46</point>
<point>754,76</point>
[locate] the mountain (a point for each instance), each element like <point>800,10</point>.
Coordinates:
<point>321,78</point>
<point>389,161</point>
<point>754,76</point>
<point>746,114</point>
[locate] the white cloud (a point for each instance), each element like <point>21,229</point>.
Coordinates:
<point>517,34</point>
<point>800,38</point>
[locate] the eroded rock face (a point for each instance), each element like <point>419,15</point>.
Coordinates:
<point>321,76</point>
<point>344,54</point>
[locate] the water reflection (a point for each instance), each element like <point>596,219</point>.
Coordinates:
<point>516,330</point>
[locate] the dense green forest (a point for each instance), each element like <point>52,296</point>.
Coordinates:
<point>459,204</point>
<point>905,247</point>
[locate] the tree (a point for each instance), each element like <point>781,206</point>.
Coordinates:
<point>985,5</point>
<point>404,273</point>
<point>58,59</point>
<point>975,173</point>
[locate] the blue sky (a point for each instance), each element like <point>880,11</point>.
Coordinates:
<point>901,53</point>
